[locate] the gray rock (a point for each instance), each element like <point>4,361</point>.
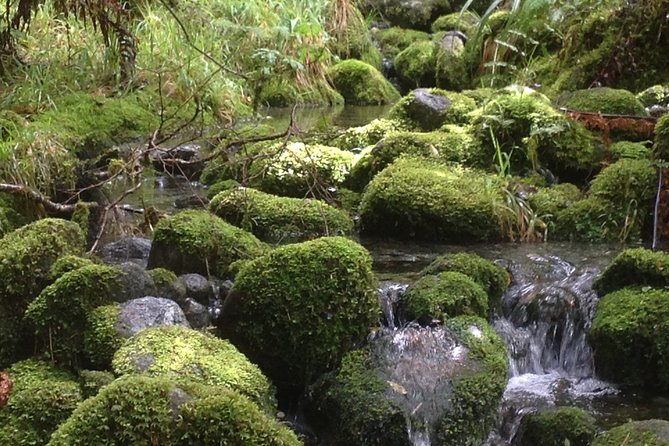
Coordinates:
<point>138,314</point>
<point>428,108</point>
<point>184,160</point>
<point>191,201</point>
<point>136,282</point>
<point>197,287</point>
<point>416,14</point>
<point>453,42</point>
<point>197,314</point>
<point>127,249</point>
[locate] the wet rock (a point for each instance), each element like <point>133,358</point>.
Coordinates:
<point>192,201</point>
<point>127,249</point>
<point>136,281</point>
<point>636,433</point>
<point>197,314</point>
<point>184,160</point>
<point>453,42</point>
<point>138,314</point>
<point>197,287</point>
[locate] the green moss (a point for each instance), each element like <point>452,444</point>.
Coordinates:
<point>145,410</point>
<point>189,355</point>
<point>634,267</point>
<point>406,14</point>
<point>448,294</point>
<point>101,340</point>
<point>362,84</point>
<point>491,277</point>
<point>162,277</point>
<point>354,41</point>
<point>81,216</point>
<point>630,150</point>
<point>11,124</point>
<point>415,65</point>
<point>366,135</point>
<point>654,95</point>
<point>66,264</point>
<point>60,312</point>
<point>453,67</point>
<point>661,146</point>
<point>626,181</point>
<point>603,100</point>
<point>42,397</point>
<point>549,201</point>
<point>556,427</point>
<point>636,433</point>
<point>280,218</point>
<point>465,22</point>
<point>298,309</point>
<point>422,199</point>
<point>414,115</point>
<point>283,92</point>
<point>588,220</point>
<point>14,213</point>
<point>200,242</point>
<point>630,337</point>
<point>393,40</point>
<point>91,381</point>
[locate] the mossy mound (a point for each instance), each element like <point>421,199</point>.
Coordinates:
<point>443,296</point>
<point>661,146</point>
<point>366,135</point>
<point>425,110</point>
<point>630,150</point>
<point>13,213</point>
<point>464,22</point>
<point>68,263</point>
<point>280,219</point>
<point>422,199</point>
<point>634,267</point>
<point>60,312</point>
<point>26,257</point>
<point>393,40</point>
<point>415,66</point>
<point>42,397</point>
<point>629,336</point>
<point>603,100</point>
<point>548,201</point>
<point>184,354</point>
<point>200,242</point>
<point>369,400</point>
<point>636,433</point>
<point>655,95</point>
<point>491,277</point>
<point>298,309</point>
<point>283,91</point>
<point>557,427</point>
<point>146,410</point>
<point>362,84</point>
<point>101,339</point>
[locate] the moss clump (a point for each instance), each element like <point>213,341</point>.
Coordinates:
<point>661,146</point>
<point>556,427</point>
<point>284,92</point>
<point>189,355</point>
<point>636,433</point>
<point>13,213</point>
<point>280,218</point>
<point>26,257</point>
<point>630,337</point>
<point>446,295</point>
<point>91,381</point>
<point>491,277</point>
<point>630,150</point>
<point>362,84</point>
<point>651,96</point>
<point>200,242</point>
<point>464,22</point>
<point>393,40</point>
<point>634,267</point>
<point>146,410</point>
<point>68,263</point>
<point>162,277</point>
<point>603,100</point>
<point>298,309</point>
<point>415,65</point>
<point>406,14</point>
<point>60,312</point>
<point>42,398</point>
<point>366,135</point>
<point>453,69</point>
<point>548,201</point>
<point>425,110</point>
<point>101,339</point>
<point>422,199</point>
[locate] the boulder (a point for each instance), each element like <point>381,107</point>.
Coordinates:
<point>415,14</point>
<point>636,433</point>
<point>425,110</point>
<point>557,427</point>
<point>137,314</point>
<point>362,84</point>
<point>127,249</point>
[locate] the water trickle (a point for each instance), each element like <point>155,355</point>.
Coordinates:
<point>389,294</point>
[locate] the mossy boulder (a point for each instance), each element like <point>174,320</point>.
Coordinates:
<point>603,100</point>
<point>277,219</point>
<point>362,84</point>
<point>42,397</point>
<point>415,66</point>
<point>423,199</point>
<point>298,309</point>
<point>634,267</point>
<point>284,91</point>
<point>465,22</point>
<point>407,14</point>
<point>425,110</point>
<point>629,336</point>
<point>393,40</point>
<point>661,146</point>
<point>491,277</point>
<point>200,242</point>
<point>189,355</point>
<point>26,257</point>
<point>68,263</point>
<point>101,338</point>
<point>360,137</point>
<point>370,398</point>
<point>443,296</point>
<point>557,427</point>
<point>636,433</point>
<point>147,410</point>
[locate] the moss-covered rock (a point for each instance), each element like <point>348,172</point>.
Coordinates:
<point>101,339</point>
<point>189,355</point>
<point>42,397</point>
<point>661,146</point>
<point>298,309</point>
<point>422,199</point>
<point>366,135</point>
<point>636,433</point>
<point>428,109</point>
<point>200,242</point>
<point>282,91</point>
<point>630,337</point>
<point>146,410</point>
<point>393,40</point>
<point>557,427</point>
<point>491,277</point>
<point>548,201</point>
<point>68,263</point>
<point>415,66</point>
<point>454,62</point>
<point>362,84</point>
<point>443,296</point>
<point>26,257</point>
<point>280,219</point>
<point>465,22</point>
<point>634,267</point>
<point>408,14</point>
<point>369,400</point>
<point>603,100</point>
<point>92,381</point>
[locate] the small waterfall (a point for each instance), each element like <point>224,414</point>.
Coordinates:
<point>389,295</point>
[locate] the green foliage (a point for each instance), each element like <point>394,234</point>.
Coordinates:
<point>636,433</point>
<point>394,40</point>
<point>350,37</point>
<point>634,267</point>
<point>625,181</point>
<point>465,23</point>
<point>551,200</point>
<point>405,14</point>
<point>13,213</point>
<point>91,381</point>
<point>415,65</point>
<point>491,277</point>
<point>557,427</point>
<point>362,84</point>
<point>652,96</point>
<point>630,337</point>
<point>366,135</point>
<point>630,150</point>
<point>280,218</point>
<point>446,295</point>
<point>101,339</point>
<point>200,242</point>
<point>188,355</point>
<point>422,199</point>
<point>162,277</point>
<point>661,146</point>
<point>42,397</point>
<point>146,410</point>
<point>603,100</point>
<point>296,310</point>
<point>68,263</point>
